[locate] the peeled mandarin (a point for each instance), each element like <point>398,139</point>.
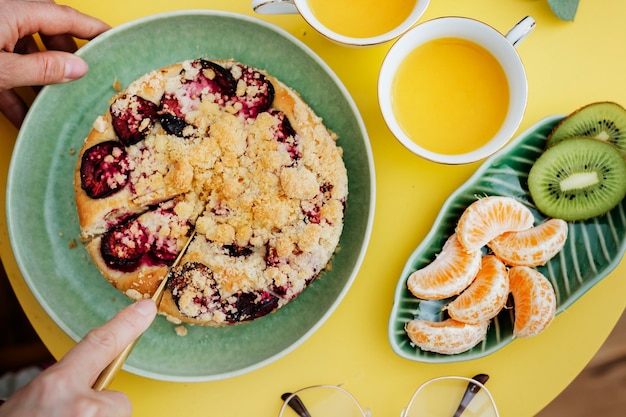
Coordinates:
<point>446,337</point>
<point>489,217</point>
<point>534,299</point>
<point>486,296</point>
<point>532,247</point>
<point>451,272</point>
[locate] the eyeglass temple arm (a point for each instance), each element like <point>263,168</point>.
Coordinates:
<point>470,392</point>
<point>296,404</point>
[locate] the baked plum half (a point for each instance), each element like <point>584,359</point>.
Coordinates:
<point>132,118</point>
<point>255,92</point>
<point>104,169</point>
<point>123,246</point>
<point>202,79</point>
<point>195,281</point>
<point>148,239</point>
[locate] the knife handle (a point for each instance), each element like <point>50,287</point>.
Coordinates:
<point>108,374</point>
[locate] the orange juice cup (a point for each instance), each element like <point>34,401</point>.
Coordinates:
<point>351,22</point>
<point>453,90</point>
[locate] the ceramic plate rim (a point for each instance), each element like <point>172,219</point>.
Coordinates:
<point>21,259</point>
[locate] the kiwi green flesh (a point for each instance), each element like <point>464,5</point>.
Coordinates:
<point>578,179</point>
<point>603,120</point>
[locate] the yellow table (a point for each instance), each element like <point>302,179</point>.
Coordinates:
<point>568,65</point>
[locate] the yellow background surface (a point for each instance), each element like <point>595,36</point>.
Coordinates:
<point>568,65</point>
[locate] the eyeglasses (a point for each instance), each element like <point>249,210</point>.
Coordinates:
<point>448,396</point>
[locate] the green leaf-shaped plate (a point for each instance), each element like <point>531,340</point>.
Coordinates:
<point>593,248</point>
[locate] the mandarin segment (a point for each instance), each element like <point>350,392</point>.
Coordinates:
<point>451,272</point>
<point>489,217</point>
<point>446,337</point>
<point>534,299</point>
<point>532,247</point>
<point>486,296</point>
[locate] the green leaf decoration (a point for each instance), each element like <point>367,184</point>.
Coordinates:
<point>564,9</point>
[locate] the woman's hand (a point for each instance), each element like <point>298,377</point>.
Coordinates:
<point>64,389</point>
<point>21,62</point>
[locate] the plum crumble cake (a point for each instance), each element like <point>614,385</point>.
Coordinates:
<point>226,149</point>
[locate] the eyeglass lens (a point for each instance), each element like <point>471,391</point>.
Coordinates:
<point>320,402</point>
<point>447,398</point>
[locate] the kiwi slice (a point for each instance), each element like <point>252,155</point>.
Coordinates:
<point>577,179</point>
<point>603,120</point>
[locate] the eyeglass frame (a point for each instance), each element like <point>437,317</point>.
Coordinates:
<point>288,397</point>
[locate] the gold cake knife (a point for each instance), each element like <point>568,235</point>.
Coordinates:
<point>106,377</point>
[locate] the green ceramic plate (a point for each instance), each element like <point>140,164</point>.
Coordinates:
<point>42,216</point>
<point>592,250</point>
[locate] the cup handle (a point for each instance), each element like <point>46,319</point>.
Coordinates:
<point>522,29</point>
<point>274,6</point>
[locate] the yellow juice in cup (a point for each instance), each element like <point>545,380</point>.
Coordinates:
<point>450,95</point>
<point>361,18</point>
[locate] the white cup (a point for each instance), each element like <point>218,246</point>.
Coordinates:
<point>303,7</point>
<point>502,47</point>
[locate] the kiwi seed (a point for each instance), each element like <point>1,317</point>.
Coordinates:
<point>577,179</point>
<point>603,120</point>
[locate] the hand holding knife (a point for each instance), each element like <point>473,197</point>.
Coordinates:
<point>107,375</point>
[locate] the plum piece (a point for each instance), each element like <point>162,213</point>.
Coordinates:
<point>312,208</point>
<point>195,280</point>
<point>123,246</point>
<point>311,213</point>
<point>237,251</point>
<point>143,239</point>
<point>210,78</point>
<point>164,248</point>
<point>255,92</point>
<point>132,118</point>
<point>164,251</point>
<point>251,305</point>
<point>104,169</point>
<point>284,130</point>
<point>286,135</point>
<point>213,79</point>
<point>172,124</point>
